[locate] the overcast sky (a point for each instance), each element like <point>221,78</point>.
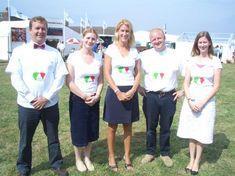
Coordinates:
<point>179,15</point>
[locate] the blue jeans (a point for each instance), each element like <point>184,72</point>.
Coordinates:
<point>28,122</point>
<point>159,108</point>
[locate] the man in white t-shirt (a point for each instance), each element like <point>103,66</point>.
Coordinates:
<point>37,73</point>
<point>161,68</point>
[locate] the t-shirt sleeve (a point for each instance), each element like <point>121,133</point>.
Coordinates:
<point>70,59</point>
<point>216,63</point>
<point>109,51</point>
<point>136,54</point>
<point>14,63</point>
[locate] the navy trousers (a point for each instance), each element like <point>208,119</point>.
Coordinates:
<point>158,108</point>
<point>28,121</point>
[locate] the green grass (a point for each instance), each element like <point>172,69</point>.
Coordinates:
<point>218,158</point>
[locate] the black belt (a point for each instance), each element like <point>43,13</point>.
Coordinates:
<point>161,93</point>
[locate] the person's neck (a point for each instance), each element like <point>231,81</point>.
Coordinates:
<point>122,45</point>
<point>160,49</point>
<point>204,55</point>
<point>41,43</point>
<point>86,51</point>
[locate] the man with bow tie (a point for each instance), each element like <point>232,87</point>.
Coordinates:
<point>37,73</point>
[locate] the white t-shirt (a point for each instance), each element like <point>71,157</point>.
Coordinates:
<point>36,72</point>
<point>161,69</point>
<point>122,67</point>
<point>202,73</point>
<point>86,75</point>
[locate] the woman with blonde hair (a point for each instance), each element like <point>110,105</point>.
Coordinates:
<point>201,83</point>
<point>122,72</point>
<point>85,81</point>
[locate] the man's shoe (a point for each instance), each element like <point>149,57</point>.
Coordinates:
<point>147,158</point>
<point>60,172</point>
<point>167,161</point>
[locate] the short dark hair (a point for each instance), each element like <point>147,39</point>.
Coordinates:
<point>37,19</point>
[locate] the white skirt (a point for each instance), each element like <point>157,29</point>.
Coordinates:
<point>198,125</point>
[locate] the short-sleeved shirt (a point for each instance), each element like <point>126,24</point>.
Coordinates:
<point>86,75</point>
<point>161,69</point>
<point>202,72</point>
<point>122,67</point>
<point>38,69</point>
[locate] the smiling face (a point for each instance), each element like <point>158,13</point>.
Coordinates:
<point>89,40</point>
<point>157,39</point>
<point>123,34</point>
<point>38,32</point>
<point>203,45</point>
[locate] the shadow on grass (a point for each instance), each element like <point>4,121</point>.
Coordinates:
<point>213,151</point>
<point>100,152</point>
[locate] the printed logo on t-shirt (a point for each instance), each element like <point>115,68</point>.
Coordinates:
<point>89,78</point>
<point>156,75</point>
<point>123,69</point>
<point>200,65</point>
<point>198,80</point>
<point>39,76</point>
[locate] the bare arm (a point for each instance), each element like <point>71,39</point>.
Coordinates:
<point>217,75</point>
<point>136,84</point>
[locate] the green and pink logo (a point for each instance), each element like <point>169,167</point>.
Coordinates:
<point>89,78</point>
<point>156,75</point>
<point>200,65</point>
<point>198,80</point>
<point>123,69</point>
<point>39,76</point>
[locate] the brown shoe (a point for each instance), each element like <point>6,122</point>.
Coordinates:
<point>60,172</point>
<point>167,161</point>
<point>147,158</point>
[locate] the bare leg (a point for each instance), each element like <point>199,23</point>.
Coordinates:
<point>127,141</point>
<point>87,161</point>
<point>192,151</point>
<point>127,145</point>
<point>199,149</point>
<point>78,156</point>
<point>111,143</point>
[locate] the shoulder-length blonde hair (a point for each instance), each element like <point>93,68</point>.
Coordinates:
<point>126,22</point>
<point>195,50</point>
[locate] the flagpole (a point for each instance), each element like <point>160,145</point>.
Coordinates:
<point>64,22</point>
<point>9,29</point>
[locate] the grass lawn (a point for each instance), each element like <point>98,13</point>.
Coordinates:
<point>218,158</point>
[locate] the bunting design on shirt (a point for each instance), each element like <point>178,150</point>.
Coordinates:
<point>123,69</point>
<point>198,80</point>
<point>39,76</point>
<point>200,65</point>
<point>156,75</point>
<point>89,78</point>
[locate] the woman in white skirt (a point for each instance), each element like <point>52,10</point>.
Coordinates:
<point>202,81</point>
